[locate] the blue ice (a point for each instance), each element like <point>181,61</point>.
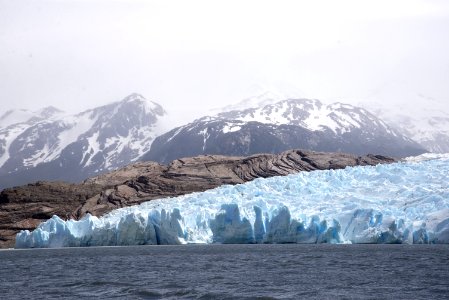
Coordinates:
<point>405,202</point>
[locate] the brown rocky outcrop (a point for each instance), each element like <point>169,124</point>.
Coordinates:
<point>26,206</point>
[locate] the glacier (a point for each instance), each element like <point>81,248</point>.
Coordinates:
<point>405,202</point>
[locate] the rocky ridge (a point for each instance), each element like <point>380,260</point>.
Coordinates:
<point>26,206</point>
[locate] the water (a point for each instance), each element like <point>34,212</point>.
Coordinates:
<point>228,272</point>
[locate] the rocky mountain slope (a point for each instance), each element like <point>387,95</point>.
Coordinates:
<point>287,124</point>
<point>26,206</point>
<point>51,145</point>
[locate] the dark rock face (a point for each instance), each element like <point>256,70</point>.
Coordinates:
<point>26,206</point>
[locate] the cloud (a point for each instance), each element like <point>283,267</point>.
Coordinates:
<point>195,55</point>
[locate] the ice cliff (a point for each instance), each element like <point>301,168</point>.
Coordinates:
<point>405,202</point>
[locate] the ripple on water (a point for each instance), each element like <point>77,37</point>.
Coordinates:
<point>228,272</point>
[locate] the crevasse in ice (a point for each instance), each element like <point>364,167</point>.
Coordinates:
<point>405,202</point>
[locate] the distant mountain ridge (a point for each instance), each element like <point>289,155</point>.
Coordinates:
<point>310,114</point>
<point>50,145</point>
<point>286,124</point>
<point>430,130</point>
<point>426,122</point>
<point>422,116</point>
<point>260,100</point>
<point>12,117</point>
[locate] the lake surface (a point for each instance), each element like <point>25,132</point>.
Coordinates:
<point>228,272</point>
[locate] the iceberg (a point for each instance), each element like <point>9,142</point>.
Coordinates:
<point>405,202</point>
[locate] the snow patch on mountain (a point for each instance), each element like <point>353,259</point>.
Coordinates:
<point>320,118</point>
<point>6,139</point>
<point>74,127</point>
<point>229,127</point>
<point>205,135</point>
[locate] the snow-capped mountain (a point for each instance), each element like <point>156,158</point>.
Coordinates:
<point>430,129</point>
<point>54,146</point>
<point>287,124</point>
<point>14,123</point>
<point>421,117</point>
<point>311,114</point>
<point>430,132</point>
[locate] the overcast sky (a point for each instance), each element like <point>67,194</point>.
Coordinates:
<point>197,55</point>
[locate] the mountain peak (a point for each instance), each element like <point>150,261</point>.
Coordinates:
<point>260,100</point>
<point>49,111</point>
<point>145,104</point>
<point>134,97</point>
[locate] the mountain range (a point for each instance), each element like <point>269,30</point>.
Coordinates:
<point>52,145</point>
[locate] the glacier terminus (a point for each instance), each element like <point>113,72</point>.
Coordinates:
<point>404,202</point>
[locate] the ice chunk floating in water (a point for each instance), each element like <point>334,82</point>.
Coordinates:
<point>406,202</point>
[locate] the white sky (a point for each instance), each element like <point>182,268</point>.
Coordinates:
<point>191,56</point>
